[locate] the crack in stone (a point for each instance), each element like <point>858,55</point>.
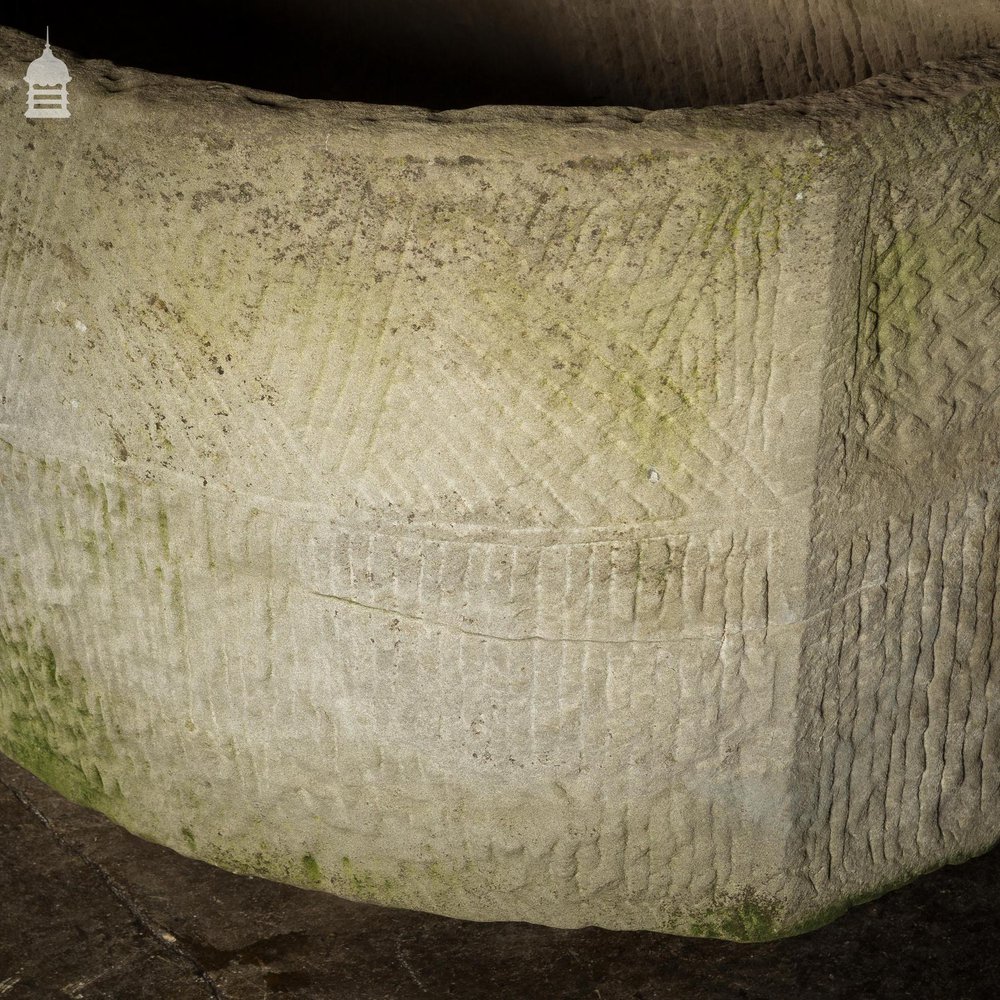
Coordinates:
<point>436,623</point>
<point>719,635</point>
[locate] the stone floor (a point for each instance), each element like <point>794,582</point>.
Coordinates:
<point>88,911</point>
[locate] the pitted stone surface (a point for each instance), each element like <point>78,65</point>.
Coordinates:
<point>330,545</point>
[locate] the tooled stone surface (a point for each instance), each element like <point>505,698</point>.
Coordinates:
<point>577,516</point>
<point>657,53</point>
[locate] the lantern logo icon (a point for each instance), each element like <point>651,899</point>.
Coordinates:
<point>47,79</point>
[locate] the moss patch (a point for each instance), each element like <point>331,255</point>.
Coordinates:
<point>311,869</point>
<point>425,885</point>
<point>363,884</point>
<point>50,726</point>
<point>749,916</point>
<point>263,861</point>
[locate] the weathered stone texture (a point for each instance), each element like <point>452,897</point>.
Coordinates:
<point>660,53</point>
<point>898,699</point>
<point>582,516</point>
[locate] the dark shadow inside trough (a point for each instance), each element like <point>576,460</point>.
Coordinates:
<point>460,53</point>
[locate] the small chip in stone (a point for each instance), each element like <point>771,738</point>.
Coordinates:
<point>654,476</point>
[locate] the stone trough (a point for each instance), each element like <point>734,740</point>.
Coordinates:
<point>575,515</point>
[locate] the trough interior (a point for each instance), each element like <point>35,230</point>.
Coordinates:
<point>461,53</point>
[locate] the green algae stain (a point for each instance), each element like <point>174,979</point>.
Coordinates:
<point>265,860</point>
<point>751,917</point>
<point>189,839</point>
<point>311,870</point>
<point>423,884</point>
<point>50,727</point>
<point>658,387</point>
<point>388,882</point>
<point>109,534</point>
<point>746,917</point>
<point>262,861</point>
<point>826,914</point>
<point>91,546</point>
<point>750,196</point>
<point>177,596</point>
<point>363,884</point>
<point>161,520</point>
